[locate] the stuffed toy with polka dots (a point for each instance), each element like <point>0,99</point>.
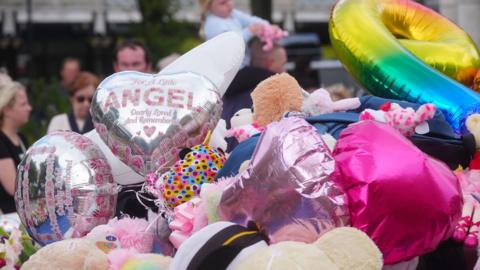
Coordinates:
<point>197,165</point>
<point>405,120</point>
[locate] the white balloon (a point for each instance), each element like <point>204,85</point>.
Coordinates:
<point>218,59</point>
<point>122,174</point>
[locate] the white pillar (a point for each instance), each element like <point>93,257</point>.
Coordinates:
<point>8,26</point>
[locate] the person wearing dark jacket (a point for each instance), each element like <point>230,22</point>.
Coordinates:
<point>263,65</point>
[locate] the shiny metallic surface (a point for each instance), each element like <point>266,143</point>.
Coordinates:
<point>146,119</point>
<point>286,190</point>
<point>403,50</point>
<point>64,188</point>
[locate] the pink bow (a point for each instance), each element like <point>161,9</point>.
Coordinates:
<point>188,218</point>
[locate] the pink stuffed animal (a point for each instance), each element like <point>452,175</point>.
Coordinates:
<point>129,233</point>
<point>468,227</point>
<point>270,34</point>
<point>243,126</point>
<point>320,102</point>
<point>405,120</point>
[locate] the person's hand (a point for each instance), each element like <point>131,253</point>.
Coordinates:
<point>256,29</point>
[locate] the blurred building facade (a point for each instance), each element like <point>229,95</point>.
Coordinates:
<point>43,32</point>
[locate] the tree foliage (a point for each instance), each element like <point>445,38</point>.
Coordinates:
<point>161,32</point>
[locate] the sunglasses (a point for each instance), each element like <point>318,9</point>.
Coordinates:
<point>81,99</point>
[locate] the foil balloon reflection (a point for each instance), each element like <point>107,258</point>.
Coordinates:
<point>147,119</point>
<point>405,52</point>
<point>406,201</point>
<point>64,188</point>
<point>286,189</point>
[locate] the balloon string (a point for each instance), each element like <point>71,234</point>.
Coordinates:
<point>154,221</point>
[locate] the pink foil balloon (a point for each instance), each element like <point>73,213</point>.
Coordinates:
<point>406,201</point>
<point>286,189</point>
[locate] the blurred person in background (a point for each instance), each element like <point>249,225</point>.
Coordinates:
<point>132,55</point>
<point>81,94</point>
<point>14,113</point>
<point>71,67</point>
<point>263,65</point>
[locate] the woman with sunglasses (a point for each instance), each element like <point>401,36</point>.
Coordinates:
<point>81,93</point>
<point>14,113</point>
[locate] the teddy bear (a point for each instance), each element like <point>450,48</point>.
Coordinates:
<point>274,96</point>
<point>197,165</point>
<point>69,254</point>
<point>405,120</point>
<point>128,233</point>
<point>218,136</point>
<point>243,126</point>
<point>226,245</point>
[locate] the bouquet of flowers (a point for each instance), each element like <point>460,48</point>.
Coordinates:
<point>15,247</point>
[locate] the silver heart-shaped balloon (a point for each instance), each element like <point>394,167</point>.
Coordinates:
<point>147,119</point>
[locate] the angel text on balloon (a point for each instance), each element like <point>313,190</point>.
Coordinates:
<point>172,98</point>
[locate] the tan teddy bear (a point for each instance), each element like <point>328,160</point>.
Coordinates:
<point>70,254</point>
<point>275,96</point>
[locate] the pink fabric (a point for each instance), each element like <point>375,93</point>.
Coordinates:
<point>270,35</point>
<point>286,190</point>
<point>404,120</point>
<point>188,218</point>
<point>406,201</point>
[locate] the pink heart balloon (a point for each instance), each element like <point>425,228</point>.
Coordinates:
<point>147,119</point>
<point>286,189</point>
<point>405,200</point>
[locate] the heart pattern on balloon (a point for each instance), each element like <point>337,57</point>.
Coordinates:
<point>149,130</point>
<point>147,119</point>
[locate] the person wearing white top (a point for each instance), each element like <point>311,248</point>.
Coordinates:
<point>81,94</point>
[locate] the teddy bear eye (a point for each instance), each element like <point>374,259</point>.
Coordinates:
<point>111,238</point>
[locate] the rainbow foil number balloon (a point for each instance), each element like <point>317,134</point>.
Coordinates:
<point>403,50</point>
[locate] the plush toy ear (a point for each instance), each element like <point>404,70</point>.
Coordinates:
<point>184,152</point>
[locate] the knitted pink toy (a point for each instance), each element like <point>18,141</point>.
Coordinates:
<point>270,34</point>
<point>405,120</point>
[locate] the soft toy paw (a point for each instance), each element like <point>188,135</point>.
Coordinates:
<point>405,120</point>
<point>275,96</point>
<point>320,102</point>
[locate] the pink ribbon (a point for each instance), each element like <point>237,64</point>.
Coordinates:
<point>183,225</point>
